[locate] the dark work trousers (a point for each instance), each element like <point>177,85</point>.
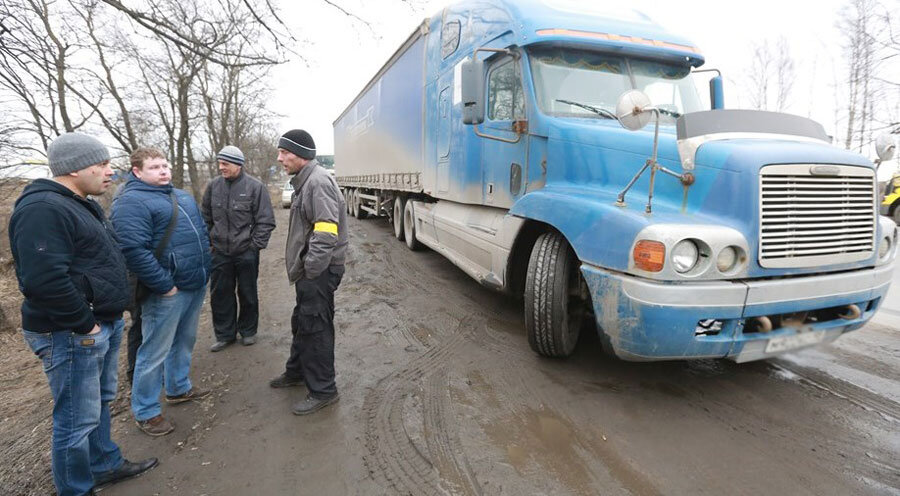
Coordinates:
<point>312,326</point>
<point>228,272</point>
<point>134,340</point>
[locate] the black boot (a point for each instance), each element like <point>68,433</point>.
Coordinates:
<point>312,405</point>
<point>126,471</point>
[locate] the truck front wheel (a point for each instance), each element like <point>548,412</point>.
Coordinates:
<point>554,297</point>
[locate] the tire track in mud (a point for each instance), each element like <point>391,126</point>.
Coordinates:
<point>416,449</point>
<point>860,397</point>
<point>443,440</point>
<point>392,454</point>
<point>511,383</point>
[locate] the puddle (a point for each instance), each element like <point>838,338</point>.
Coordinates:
<point>542,441</point>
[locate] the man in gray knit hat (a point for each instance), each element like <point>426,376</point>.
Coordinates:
<point>73,277</point>
<point>238,212</point>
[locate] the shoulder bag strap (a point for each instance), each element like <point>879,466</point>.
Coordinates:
<point>169,229</point>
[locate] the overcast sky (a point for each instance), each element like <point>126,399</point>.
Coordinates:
<point>344,54</point>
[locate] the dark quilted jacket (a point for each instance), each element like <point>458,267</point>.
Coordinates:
<point>140,215</point>
<point>67,260</point>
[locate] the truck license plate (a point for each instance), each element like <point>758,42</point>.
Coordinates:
<point>784,343</point>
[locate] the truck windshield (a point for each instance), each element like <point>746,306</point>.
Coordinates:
<point>581,83</point>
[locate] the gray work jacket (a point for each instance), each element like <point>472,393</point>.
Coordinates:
<point>317,211</point>
<point>238,214</point>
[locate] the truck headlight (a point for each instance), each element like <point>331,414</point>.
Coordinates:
<point>685,255</point>
<point>884,248</point>
<point>726,259</point>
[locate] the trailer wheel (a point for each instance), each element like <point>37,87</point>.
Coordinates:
<point>358,211</point>
<point>896,214</point>
<point>409,227</point>
<point>351,202</point>
<point>554,297</point>
<point>347,204</point>
<point>399,203</point>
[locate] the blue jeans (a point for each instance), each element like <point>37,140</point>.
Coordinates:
<point>169,326</point>
<point>82,371</point>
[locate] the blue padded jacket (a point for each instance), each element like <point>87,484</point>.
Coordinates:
<point>140,215</point>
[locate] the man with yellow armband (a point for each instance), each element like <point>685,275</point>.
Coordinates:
<point>314,257</point>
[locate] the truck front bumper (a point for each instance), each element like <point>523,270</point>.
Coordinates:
<point>643,320</point>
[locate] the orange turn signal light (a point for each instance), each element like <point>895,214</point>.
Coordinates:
<point>649,255</point>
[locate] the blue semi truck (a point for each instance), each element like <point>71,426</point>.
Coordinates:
<point>560,151</point>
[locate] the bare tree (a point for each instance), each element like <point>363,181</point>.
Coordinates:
<point>770,77</point>
<point>34,66</point>
<point>785,74</point>
<point>856,21</point>
<point>123,131</point>
<point>188,77</point>
<point>161,19</point>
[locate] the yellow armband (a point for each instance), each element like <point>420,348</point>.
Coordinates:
<point>328,227</point>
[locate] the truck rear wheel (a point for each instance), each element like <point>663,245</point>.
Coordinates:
<point>554,299</point>
<point>896,214</point>
<point>409,227</point>
<point>399,203</point>
<point>358,211</point>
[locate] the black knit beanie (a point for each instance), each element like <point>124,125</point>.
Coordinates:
<point>298,142</point>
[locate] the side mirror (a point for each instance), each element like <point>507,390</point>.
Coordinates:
<point>885,147</point>
<point>472,90</point>
<point>631,110</point>
<point>717,93</point>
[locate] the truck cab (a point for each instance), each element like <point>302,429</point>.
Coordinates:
<point>703,233</point>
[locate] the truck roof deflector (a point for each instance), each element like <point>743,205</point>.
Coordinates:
<point>697,128</point>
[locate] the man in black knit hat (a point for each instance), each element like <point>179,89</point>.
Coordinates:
<point>314,258</point>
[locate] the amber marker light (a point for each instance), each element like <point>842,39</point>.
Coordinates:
<point>649,255</point>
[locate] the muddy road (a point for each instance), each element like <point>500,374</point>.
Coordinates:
<point>440,394</point>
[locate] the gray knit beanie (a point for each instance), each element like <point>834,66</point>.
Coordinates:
<point>72,152</point>
<point>232,154</point>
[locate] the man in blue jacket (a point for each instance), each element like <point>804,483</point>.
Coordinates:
<point>176,281</point>
<point>73,277</point>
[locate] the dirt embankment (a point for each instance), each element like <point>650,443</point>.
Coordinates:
<point>10,298</point>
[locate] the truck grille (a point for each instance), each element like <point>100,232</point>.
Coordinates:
<point>809,219</point>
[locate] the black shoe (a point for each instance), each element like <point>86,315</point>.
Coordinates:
<point>312,405</point>
<point>125,472</point>
<point>220,345</point>
<point>283,381</point>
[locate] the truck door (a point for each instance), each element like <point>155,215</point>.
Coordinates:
<point>504,152</point>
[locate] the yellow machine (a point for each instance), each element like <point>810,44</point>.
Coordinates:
<point>890,206</point>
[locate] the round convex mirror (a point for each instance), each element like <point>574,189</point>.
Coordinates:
<point>885,147</point>
<point>631,110</point>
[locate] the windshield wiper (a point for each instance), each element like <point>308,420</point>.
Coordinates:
<point>670,113</point>
<point>597,110</point>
